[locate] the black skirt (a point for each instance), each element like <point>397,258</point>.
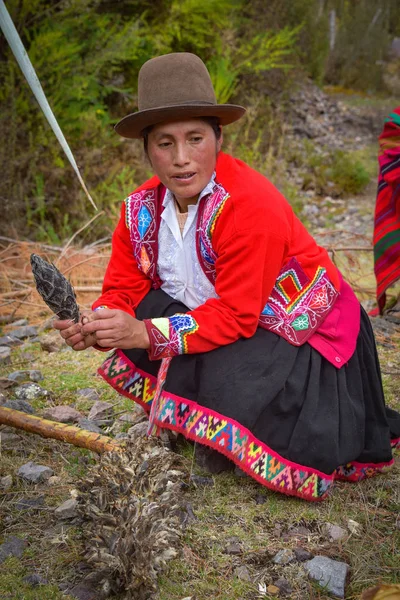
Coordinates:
<point>282,413</point>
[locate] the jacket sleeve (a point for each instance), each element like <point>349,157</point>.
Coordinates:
<point>124,285</point>
<point>247,266</point>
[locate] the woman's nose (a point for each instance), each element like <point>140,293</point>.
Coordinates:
<point>181,155</point>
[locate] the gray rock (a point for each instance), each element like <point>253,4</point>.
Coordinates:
<point>53,481</point>
<point>13,546</point>
<point>298,533</point>
<point>84,591</point>
<point>302,554</point>
<point>330,574</point>
<point>89,393</point>
<point>5,355</point>
<point>284,586</point>
<point>261,499</point>
<point>34,473</point>
<point>242,573</point>
<point>30,391</point>
<point>67,510</point>
<point>200,481</point>
<point>28,331</point>
<point>122,436</point>
<point>34,579</point>
<point>9,340</point>
<point>31,374</point>
<point>21,405</point>
<point>233,548</point>
<point>138,430</point>
<point>284,557</point>
<point>62,414</point>
<point>89,425</point>
<point>128,417</point>
<point>20,323</point>
<point>52,342</point>
<point>9,439</point>
<point>6,482</point>
<point>100,411</point>
<point>30,503</point>
<point>335,533</point>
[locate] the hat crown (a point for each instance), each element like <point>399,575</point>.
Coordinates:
<point>174,79</point>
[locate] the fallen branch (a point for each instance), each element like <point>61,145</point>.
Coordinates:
<point>58,431</point>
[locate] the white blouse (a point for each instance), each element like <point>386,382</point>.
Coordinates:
<point>178,265</point>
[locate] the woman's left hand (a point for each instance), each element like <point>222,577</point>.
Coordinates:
<point>116,329</point>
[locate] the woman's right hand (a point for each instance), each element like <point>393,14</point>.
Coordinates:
<point>72,333</point>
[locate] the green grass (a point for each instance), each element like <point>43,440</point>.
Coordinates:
<point>228,510</point>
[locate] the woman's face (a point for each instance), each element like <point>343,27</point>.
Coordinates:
<point>183,155</point>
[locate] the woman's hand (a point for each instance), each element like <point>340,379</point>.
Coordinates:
<point>72,333</point>
<point>114,328</point>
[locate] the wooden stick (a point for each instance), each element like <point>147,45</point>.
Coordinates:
<point>58,431</point>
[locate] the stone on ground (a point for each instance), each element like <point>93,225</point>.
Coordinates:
<point>62,414</point>
<point>27,331</point>
<point>302,554</point>
<point>5,355</point>
<point>21,405</point>
<point>138,430</point>
<point>284,586</point>
<point>30,391</point>
<point>13,546</point>
<point>89,394</point>
<point>85,423</point>
<point>34,473</point>
<point>31,374</point>
<point>52,342</point>
<point>242,573</point>
<point>30,503</point>
<point>330,574</point>
<point>6,482</point>
<point>335,533</point>
<point>100,411</point>
<point>67,510</point>
<point>34,579</point>
<point>284,557</point>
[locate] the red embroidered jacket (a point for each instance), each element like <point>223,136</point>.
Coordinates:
<point>267,269</point>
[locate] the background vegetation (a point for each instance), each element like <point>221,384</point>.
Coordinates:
<point>87,54</point>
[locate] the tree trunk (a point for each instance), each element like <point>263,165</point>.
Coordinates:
<point>58,431</point>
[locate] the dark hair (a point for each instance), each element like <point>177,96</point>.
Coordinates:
<point>212,121</point>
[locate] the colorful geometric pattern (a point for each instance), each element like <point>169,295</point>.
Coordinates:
<point>210,209</point>
<point>227,436</point>
<point>387,209</point>
<point>142,220</point>
<point>298,305</point>
<point>168,336</point>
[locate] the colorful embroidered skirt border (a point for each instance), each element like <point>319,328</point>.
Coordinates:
<point>281,413</point>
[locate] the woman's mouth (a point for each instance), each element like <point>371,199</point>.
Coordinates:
<point>183,176</point>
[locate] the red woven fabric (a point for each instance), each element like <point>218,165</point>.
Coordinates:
<point>387,209</point>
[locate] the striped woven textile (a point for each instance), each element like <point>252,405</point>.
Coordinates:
<point>387,209</point>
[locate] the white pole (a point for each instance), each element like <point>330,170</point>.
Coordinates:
<point>12,37</point>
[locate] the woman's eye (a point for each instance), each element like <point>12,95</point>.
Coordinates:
<point>196,138</point>
<point>164,144</point>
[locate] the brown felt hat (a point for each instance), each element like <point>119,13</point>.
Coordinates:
<point>175,86</point>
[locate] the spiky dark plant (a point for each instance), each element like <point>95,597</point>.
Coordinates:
<point>55,289</point>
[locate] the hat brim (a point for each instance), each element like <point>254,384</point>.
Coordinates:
<point>132,125</point>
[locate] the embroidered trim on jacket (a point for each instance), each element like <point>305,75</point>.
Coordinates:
<point>210,209</point>
<point>168,335</point>
<point>297,305</point>
<point>142,221</point>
